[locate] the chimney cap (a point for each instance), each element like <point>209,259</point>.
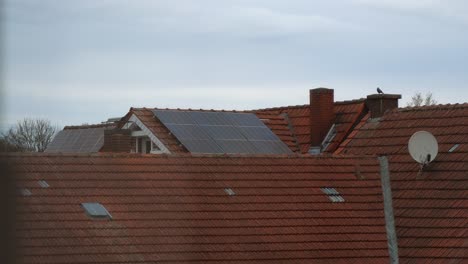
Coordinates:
<point>321,90</point>
<point>384,96</point>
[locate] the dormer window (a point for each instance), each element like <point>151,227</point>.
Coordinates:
<point>143,139</point>
<point>143,145</point>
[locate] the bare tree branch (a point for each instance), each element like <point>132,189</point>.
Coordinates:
<point>30,135</point>
<point>419,100</point>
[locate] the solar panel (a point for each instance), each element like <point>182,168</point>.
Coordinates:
<point>236,146</point>
<point>273,147</point>
<point>175,117</point>
<point>221,132</point>
<point>57,141</point>
<point>258,133</point>
<point>244,119</point>
<point>202,146</point>
<point>90,140</point>
<point>77,140</point>
<point>209,118</point>
<point>84,140</point>
<point>224,133</point>
<point>188,131</point>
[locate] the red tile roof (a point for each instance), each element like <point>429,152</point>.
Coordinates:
<point>279,124</point>
<point>431,210</point>
<point>348,113</point>
<point>175,209</point>
<point>276,123</point>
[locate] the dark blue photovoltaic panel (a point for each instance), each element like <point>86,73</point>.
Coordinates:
<point>79,140</point>
<point>188,131</point>
<point>258,133</point>
<point>245,119</point>
<point>94,140</point>
<point>236,146</point>
<point>56,142</point>
<point>224,132</point>
<point>210,118</point>
<point>202,146</point>
<point>273,147</point>
<point>176,117</point>
<point>221,132</point>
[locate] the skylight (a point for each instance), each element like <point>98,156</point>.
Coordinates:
<point>43,184</point>
<point>452,149</point>
<point>25,192</point>
<point>96,210</point>
<point>229,191</point>
<point>333,194</point>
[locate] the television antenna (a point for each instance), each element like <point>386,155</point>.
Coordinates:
<point>423,148</point>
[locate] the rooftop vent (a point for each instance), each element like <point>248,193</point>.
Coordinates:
<point>43,184</point>
<point>333,194</point>
<point>229,191</point>
<point>96,210</point>
<point>452,149</point>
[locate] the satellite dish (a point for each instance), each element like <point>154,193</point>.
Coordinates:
<point>423,147</point>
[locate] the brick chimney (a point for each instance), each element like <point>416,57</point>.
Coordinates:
<point>322,116</point>
<point>378,104</point>
<point>117,140</point>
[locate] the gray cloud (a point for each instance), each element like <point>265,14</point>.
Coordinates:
<point>96,56</point>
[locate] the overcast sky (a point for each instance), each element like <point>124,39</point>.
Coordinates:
<point>83,61</point>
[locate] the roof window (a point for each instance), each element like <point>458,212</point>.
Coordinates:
<point>452,149</point>
<point>229,191</point>
<point>333,194</point>
<point>96,210</point>
<point>43,184</point>
<point>329,137</point>
<point>25,192</point>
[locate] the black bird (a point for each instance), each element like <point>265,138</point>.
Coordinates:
<point>379,90</point>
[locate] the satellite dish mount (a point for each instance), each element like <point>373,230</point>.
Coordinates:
<point>423,148</point>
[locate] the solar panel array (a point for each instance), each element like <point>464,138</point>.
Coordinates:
<point>221,132</point>
<point>83,140</point>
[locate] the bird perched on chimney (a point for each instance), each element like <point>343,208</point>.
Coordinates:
<point>379,90</point>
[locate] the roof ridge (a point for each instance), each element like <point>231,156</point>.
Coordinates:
<point>431,107</point>
<point>353,101</point>
<point>191,109</point>
<point>184,155</point>
<point>280,107</point>
<point>89,126</point>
